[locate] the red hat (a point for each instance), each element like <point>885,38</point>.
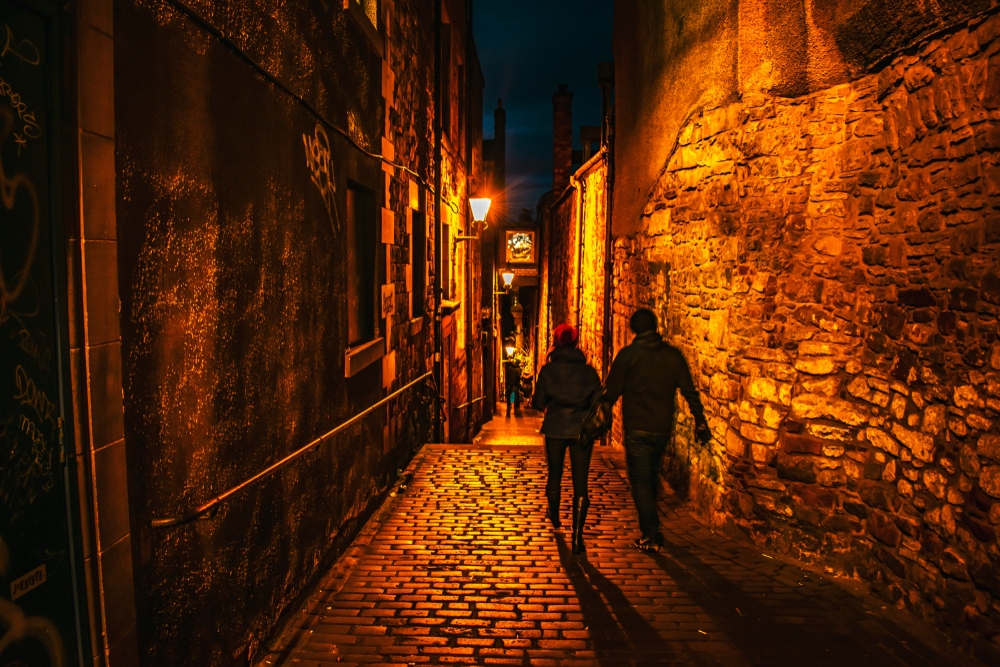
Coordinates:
<point>565,334</point>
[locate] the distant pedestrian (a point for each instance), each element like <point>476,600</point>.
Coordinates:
<point>512,385</point>
<point>646,374</point>
<point>567,387</point>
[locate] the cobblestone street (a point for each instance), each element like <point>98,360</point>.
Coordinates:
<point>461,566</point>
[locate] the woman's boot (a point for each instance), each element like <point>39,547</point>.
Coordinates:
<point>554,511</point>
<point>580,505</point>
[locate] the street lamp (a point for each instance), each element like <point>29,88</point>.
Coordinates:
<point>508,278</point>
<point>480,207</point>
<point>510,349</point>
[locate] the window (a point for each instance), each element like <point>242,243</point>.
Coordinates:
<point>418,262</point>
<point>365,14</point>
<point>361,311</point>
<point>446,262</point>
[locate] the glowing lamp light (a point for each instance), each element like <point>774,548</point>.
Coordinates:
<point>508,278</point>
<point>510,350</point>
<point>479,208</point>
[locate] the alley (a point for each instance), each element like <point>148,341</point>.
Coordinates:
<point>461,566</point>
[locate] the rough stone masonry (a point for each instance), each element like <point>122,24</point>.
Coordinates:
<point>830,264</point>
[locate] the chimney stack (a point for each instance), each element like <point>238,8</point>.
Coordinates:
<point>500,149</point>
<point>562,138</point>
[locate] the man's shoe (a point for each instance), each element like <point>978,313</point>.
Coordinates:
<point>649,543</point>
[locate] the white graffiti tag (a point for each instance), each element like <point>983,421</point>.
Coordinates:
<point>321,170</point>
<point>20,628</point>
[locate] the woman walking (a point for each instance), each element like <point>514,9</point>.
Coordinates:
<point>566,389</point>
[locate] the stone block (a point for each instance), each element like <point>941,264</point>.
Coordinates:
<point>876,494</point>
<point>796,468</point>
<point>735,445</point>
<point>921,444</point>
<point>759,434</point>
<point>883,529</point>
<point>814,406</point>
<point>934,419</point>
<point>882,440</point>
<point>793,443</point>
<point>858,387</point>
<point>989,480</point>
<point>768,390</point>
<point>828,385</point>
<point>965,396</point>
<point>815,365</point>
<point>989,289</point>
<point>989,447</point>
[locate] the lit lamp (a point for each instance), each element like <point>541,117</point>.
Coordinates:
<point>508,278</point>
<point>510,349</point>
<point>480,207</point>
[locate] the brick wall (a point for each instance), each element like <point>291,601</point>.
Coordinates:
<point>829,265</point>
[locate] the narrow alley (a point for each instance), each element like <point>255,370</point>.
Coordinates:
<point>282,280</point>
<point>461,566</point>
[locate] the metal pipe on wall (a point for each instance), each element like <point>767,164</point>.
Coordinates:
<point>609,248</point>
<point>470,292</point>
<point>439,246</point>
<point>581,187</point>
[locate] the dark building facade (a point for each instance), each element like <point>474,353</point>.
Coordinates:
<point>252,258</point>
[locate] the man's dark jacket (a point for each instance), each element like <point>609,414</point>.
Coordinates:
<point>647,374</point>
<point>567,387</point>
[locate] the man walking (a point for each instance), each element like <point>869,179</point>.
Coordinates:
<point>647,374</point>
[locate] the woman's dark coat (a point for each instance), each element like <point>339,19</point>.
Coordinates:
<point>566,389</point>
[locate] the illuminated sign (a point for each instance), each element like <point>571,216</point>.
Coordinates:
<point>520,246</point>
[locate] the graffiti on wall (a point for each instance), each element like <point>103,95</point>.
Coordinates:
<point>321,170</point>
<point>25,53</point>
<point>13,278</point>
<point>37,627</point>
<point>29,640</point>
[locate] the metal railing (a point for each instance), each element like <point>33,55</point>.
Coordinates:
<point>475,400</point>
<point>208,509</point>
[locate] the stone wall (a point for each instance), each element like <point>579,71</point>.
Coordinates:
<point>828,263</point>
<point>573,262</point>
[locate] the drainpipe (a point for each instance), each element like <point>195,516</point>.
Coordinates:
<point>472,303</point>
<point>439,246</point>
<point>581,193</point>
<point>609,263</point>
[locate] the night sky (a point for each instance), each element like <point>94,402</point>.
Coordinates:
<point>527,48</point>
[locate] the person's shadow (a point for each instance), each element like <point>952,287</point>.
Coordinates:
<point>617,631</point>
<point>758,628</point>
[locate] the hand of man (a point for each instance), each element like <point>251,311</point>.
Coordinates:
<point>702,433</point>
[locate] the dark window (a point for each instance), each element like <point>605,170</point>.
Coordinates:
<point>446,262</point>
<point>360,265</point>
<point>418,260</point>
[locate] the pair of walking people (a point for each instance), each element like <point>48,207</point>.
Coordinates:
<point>646,375</point>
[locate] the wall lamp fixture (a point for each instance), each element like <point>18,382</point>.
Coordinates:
<point>508,280</point>
<point>480,207</point>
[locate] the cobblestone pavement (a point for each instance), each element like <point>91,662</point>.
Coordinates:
<point>462,567</point>
<point>521,428</point>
